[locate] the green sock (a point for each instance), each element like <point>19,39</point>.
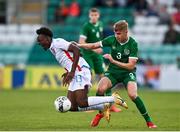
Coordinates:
<point>108,92</point>
<point>142,109</point>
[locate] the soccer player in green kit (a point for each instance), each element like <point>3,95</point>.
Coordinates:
<point>122,67</point>
<point>92,32</point>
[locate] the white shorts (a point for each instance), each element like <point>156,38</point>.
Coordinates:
<point>80,80</point>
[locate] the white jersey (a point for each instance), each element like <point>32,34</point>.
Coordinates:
<point>59,49</point>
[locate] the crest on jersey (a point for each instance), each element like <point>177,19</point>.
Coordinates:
<point>101,29</point>
<point>113,47</point>
<point>93,30</point>
<point>126,51</point>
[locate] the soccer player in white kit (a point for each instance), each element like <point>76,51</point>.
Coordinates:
<point>78,75</point>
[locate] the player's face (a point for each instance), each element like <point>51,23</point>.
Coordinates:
<point>121,35</point>
<point>44,41</point>
<point>94,17</point>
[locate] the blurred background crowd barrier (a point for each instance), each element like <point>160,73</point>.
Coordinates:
<point>32,77</point>
<point>155,24</point>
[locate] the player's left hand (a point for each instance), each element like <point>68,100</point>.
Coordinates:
<point>109,57</point>
<point>67,78</point>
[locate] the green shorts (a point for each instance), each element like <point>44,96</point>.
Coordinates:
<point>95,61</point>
<point>121,77</point>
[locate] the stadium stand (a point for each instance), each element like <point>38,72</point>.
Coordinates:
<point>151,34</point>
<point>18,36</point>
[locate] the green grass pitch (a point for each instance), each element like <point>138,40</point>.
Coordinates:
<point>34,110</point>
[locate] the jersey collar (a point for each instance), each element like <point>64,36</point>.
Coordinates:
<point>96,24</point>
<point>124,42</point>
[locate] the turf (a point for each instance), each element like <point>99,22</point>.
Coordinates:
<point>34,110</point>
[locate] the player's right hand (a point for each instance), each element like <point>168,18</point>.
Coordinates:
<point>109,57</point>
<point>63,77</point>
<point>67,78</point>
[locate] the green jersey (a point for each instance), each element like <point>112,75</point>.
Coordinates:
<point>120,52</point>
<point>92,33</point>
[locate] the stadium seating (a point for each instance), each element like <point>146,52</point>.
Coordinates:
<point>160,54</point>
<point>147,31</point>
<point>14,54</point>
<point>17,41</point>
<point>18,34</point>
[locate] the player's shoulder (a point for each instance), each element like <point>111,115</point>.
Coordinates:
<point>86,24</point>
<point>57,41</point>
<point>112,37</point>
<point>110,40</point>
<point>132,40</point>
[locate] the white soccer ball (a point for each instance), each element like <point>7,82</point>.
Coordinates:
<point>62,104</point>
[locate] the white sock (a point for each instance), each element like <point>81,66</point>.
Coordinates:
<point>94,100</point>
<point>94,107</point>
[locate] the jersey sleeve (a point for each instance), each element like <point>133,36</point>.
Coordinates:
<point>84,32</point>
<point>62,44</point>
<point>134,50</point>
<point>107,42</point>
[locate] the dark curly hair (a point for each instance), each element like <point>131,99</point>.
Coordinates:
<point>45,31</point>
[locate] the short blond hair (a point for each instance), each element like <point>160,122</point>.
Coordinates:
<point>121,25</point>
<point>94,10</point>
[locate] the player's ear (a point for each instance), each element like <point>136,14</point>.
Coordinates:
<point>49,38</point>
<point>98,15</point>
<point>37,39</point>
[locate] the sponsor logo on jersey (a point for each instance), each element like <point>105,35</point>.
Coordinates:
<point>126,51</point>
<point>93,30</point>
<point>113,47</point>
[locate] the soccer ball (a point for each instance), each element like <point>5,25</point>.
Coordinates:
<point>62,104</point>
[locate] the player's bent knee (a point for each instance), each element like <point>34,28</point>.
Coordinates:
<point>73,109</point>
<point>132,96</point>
<point>82,103</point>
<point>101,91</point>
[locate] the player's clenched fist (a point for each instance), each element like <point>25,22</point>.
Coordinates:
<point>109,57</point>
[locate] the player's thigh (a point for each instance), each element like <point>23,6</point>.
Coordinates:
<point>72,97</point>
<point>103,85</point>
<point>82,97</point>
<point>130,82</point>
<point>112,77</point>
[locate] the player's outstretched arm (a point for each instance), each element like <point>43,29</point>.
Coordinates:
<point>130,65</point>
<point>90,45</point>
<point>97,50</point>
